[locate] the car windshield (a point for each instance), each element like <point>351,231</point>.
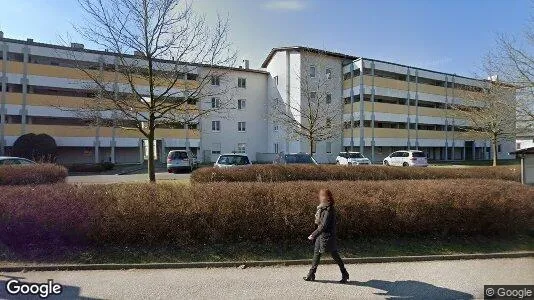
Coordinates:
<point>298,159</point>
<point>418,154</point>
<point>233,160</point>
<point>355,155</point>
<point>178,155</point>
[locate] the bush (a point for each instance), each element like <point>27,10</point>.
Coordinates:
<point>272,173</point>
<point>32,174</point>
<point>169,213</point>
<point>38,147</point>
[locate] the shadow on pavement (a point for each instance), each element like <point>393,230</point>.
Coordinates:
<point>408,289</point>
<point>68,292</point>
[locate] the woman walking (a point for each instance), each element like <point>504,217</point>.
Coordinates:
<point>325,235</point>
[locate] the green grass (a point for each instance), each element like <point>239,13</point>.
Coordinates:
<point>370,247</point>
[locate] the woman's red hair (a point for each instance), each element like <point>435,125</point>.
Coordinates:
<point>328,195</point>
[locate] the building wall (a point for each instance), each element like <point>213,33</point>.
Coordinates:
<point>254,115</point>
<point>524,142</point>
<point>420,117</point>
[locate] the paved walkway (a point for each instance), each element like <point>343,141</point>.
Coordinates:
<point>460,279</point>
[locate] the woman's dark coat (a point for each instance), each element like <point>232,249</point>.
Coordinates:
<point>325,234</point>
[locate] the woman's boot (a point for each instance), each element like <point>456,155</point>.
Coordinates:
<point>311,275</point>
<point>344,276</point>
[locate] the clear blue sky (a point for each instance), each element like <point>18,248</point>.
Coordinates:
<point>446,35</point>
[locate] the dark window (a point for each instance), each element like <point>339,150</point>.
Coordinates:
<point>237,160</point>
<point>418,154</point>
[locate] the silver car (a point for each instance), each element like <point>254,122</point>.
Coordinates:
<point>10,160</point>
<point>352,158</point>
<point>232,160</point>
<point>181,160</point>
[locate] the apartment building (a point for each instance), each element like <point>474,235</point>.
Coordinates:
<point>41,92</point>
<point>381,106</point>
<point>386,106</point>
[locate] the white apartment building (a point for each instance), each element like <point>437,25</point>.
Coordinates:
<point>382,106</point>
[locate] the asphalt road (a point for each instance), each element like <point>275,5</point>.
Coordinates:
<point>93,179</point>
<point>415,280</point>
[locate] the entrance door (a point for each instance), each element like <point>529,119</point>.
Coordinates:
<point>469,150</point>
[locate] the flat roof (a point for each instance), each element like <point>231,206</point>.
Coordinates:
<point>529,150</point>
<point>67,48</point>
<point>307,49</point>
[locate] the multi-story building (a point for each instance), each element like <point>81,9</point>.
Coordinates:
<point>382,106</point>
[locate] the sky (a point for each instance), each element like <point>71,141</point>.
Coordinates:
<point>444,35</point>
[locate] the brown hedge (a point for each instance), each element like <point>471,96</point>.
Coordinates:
<point>274,173</point>
<point>32,174</point>
<point>148,214</point>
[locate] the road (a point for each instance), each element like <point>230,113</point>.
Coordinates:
<point>460,279</point>
<point>94,179</point>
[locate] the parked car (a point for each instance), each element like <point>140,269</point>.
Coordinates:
<point>294,158</point>
<point>10,160</point>
<point>181,160</point>
<point>352,158</point>
<point>232,160</point>
<point>406,158</point>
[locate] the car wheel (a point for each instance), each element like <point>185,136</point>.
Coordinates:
<point>405,164</point>
<point>337,163</point>
<point>386,163</point>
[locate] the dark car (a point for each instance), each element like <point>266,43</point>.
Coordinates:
<point>294,158</point>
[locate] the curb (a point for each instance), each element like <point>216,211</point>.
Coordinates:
<point>266,263</point>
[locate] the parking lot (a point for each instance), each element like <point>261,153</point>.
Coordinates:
<point>99,179</point>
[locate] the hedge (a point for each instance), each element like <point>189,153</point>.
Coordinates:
<point>271,173</point>
<point>32,174</point>
<point>170,213</point>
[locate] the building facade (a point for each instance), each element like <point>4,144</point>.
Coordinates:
<point>381,106</point>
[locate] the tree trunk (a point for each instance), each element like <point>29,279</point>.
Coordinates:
<point>494,145</point>
<point>311,145</point>
<point>151,167</point>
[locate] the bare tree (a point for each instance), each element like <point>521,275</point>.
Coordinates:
<point>513,61</point>
<point>312,114</point>
<point>488,112</point>
<point>166,60</point>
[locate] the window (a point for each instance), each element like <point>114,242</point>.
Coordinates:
<point>499,148</point>
<point>328,98</point>
<point>328,73</point>
<point>312,71</point>
<point>241,104</point>
<point>313,95</point>
<point>215,80</point>
<point>241,148</point>
<point>275,147</point>
<point>241,82</point>
<point>328,122</point>
<point>216,148</point>
<point>215,103</point>
<point>275,78</point>
<point>215,125</point>
<point>275,127</point>
<point>328,147</point>
<point>241,126</point>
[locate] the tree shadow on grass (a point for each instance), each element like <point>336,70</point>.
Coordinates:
<point>68,292</point>
<point>408,289</point>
